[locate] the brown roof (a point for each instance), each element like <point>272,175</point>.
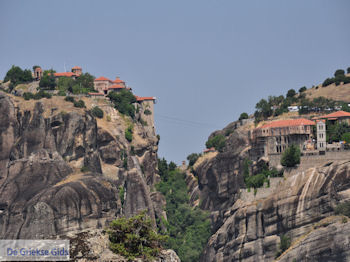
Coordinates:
<point>76,67</point>
<point>67,74</point>
<point>102,78</point>
<point>116,87</point>
<point>96,94</point>
<point>336,114</point>
<point>138,98</point>
<point>289,122</point>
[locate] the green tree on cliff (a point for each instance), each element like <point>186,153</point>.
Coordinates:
<point>291,156</point>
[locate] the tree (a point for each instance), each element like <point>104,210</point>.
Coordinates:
<point>291,156</point>
<point>128,133</point>
<point>291,93</point>
<point>35,67</point>
<point>135,237</point>
<point>339,72</point>
<point>264,108</point>
<point>66,84</point>
<point>83,84</point>
<point>218,142</point>
<point>48,80</point>
<point>192,158</point>
<point>346,137</point>
<point>123,102</point>
<point>79,104</point>
<point>97,112</point>
<point>17,76</point>
<point>243,116</point>
<point>348,70</point>
<point>302,89</point>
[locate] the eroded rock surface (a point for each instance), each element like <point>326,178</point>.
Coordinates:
<point>63,172</point>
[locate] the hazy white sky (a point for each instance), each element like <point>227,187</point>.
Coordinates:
<point>205,61</point>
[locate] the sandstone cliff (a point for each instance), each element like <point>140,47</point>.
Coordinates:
<point>299,206</point>
<point>63,171</point>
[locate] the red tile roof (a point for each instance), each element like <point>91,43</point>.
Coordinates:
<point>212,149</point>
<point>76,67</point>
<point>118,80</point>
<point>337,114</point>
<point>289,122</point>
<point>116,87</point>
<point>67,74</point>
<point>102,78</point>
<point>138,98</point>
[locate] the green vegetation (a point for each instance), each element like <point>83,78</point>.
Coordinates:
<point>302,89</point>
<point>343,209</point>
<point>346,137</point>
<point>84,169</point>
<point>337,132</point>
<point>259,179</point>
<point>80,104</point>
<point>123,102</point>
<point>83,84</point>
<point>218,142</point>
<point>121,194</point>
<point>291,93</point>
<point>128,133</point>
<point>69,99</point>
<point>192,158</point>
<point>188,228</point>
<point>147,112</point>
<point>291,156</point>
<point>48,80</point>
<point>339,77</point>
<point>244,115</point>
<point>134,237</point>
<point>37,96</point>
<point>18,76</point>
<point>285,243</point>
<point>97,112</point>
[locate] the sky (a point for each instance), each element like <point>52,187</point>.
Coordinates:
<point>205,61</point>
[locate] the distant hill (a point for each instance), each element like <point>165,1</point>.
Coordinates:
<point>337,93</point>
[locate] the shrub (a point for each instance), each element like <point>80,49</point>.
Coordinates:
<point>16,75</point>
<point>97,112</point>
<point>128,133</point>
<point>48,80</point>
<point>192,158</point>
<point>348,70</point>
<point>69,99</point>
<point>134,237</point>
<point>291,93</point>
<point>285,243</point>
<point>79,104</point>
<point>218,142</point>
<point>346,137</point>
<point>123,102</point>
<point>302,89</point>
<point>244,115</point>
<point>109,118</point>
<point>61,93</point>
<point>343,209</point>
<point>121,194</point>
<point>291,156</point>
<point>339,72</point>
<point>147,112</point>
<point>28,96</point>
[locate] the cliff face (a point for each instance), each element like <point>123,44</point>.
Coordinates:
<point>63,172</point>
<point>300,206</point>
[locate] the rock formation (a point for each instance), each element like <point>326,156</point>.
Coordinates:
<point>300,207</point>
<point>64,172</point>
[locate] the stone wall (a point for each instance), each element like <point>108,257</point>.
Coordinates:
<point>262,192</point>
<point>307,162</point>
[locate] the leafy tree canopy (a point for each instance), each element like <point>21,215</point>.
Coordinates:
<point>291,93</point>
<point>17,76</point>
<point>291,156</point>
<point>218,142</point>
<point>244,115</point>
<point>192,158</point>
<point>135,237</point>
<point>123,102</point>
